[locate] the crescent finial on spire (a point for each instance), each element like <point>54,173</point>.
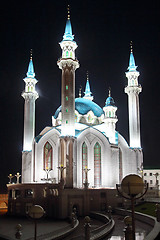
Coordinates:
<point>80,91</point>
<point>68,9</point>
<point>87,75</point>
<point>31,53</point>
<point>109,92</point>
<point>131,46</point>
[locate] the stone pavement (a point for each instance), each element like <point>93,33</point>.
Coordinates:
<point>45,226</point>
<point>142,229</point>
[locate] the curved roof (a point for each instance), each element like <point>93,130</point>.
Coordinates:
<point>83,106</point>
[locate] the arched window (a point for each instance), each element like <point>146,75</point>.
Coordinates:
<point>97,165</point>
<point>84,160</point>
<point>48,152</point>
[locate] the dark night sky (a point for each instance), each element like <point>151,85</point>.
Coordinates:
<point>103,31</point>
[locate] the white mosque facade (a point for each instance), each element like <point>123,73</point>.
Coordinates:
<point>83,138</point>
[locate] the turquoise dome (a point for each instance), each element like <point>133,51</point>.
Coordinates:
<point>83,106</point>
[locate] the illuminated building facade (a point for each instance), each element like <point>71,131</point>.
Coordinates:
<point>83,134</point>
<point>82,140</point>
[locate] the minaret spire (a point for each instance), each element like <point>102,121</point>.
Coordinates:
<point>30,95</point>
<point>31,72</point>
<point>88,93</point>
<point>80,89</point>
<point>133,89</point>
<point>68,8</point>
<point>132,65</point>
<point>109,92</point>
<point>68,64</point>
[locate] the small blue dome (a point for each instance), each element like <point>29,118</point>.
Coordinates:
<point>83,106</point>
<point>110,102</point>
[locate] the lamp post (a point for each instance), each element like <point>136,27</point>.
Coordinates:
<point>36,212</point>
<point>18,177</point>
<point>47,171</point>
<point>10,176</point>
<point>86,170</point>
<point>132,188</point>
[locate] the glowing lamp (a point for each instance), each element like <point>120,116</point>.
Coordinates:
<point>132,185</point>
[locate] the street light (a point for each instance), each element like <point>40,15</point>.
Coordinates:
<point>47,171</point>
<point>36,212</point>
<point>18,177</point>
<point>10,176</point>
<point>132,188</point>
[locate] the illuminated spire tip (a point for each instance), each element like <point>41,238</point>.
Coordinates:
<point>131,46</point>
<point>87,75</point>
<point>80,91</point>
<point>31,53</point>
<point>68,9</point>
<point>109,92</point>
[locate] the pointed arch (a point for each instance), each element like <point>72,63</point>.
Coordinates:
<point>84,160</point>
<point>48,153</point>
<point>97,165</point>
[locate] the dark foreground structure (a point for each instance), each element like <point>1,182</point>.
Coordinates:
<point>57,201</point>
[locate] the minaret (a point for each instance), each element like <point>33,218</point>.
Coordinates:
<point>133,89</point>
<point>30,95</point>
<point>88,93</point>
<point>68,64</point>
<point>110,118</point>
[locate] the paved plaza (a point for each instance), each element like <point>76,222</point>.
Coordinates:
<point>46,227</point>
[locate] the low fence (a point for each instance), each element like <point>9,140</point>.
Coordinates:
<point>103,230</point>
<point>146,219</point>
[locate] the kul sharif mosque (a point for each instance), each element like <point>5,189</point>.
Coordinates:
<point>83,134</point>
<point>82,149</point>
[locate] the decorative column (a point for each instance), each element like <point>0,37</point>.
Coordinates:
<point>133,89</point>
<point>67,160</point>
